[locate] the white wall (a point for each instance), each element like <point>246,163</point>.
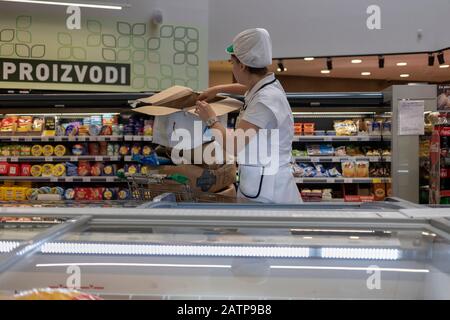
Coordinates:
<point>331,27</point>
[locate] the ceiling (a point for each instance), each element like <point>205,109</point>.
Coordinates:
<point>417,68</point>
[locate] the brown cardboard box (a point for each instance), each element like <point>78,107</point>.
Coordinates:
<point>229,191</point>
<point>204,179</point>
<point>179,98</point>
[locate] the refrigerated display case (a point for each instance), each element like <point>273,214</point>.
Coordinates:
<point>384,250</point>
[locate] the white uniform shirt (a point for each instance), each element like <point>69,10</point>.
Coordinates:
<point>268,108</point>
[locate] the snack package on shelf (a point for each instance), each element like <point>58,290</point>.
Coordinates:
<point>4,168</point>
<point>387,128</point>
<point>345,128</point>
<point>308,129</point>
<point>49,127</point>
<point>377,126</point>
<point>313,150</point>
<point>326,150</point>
<point>362,169</point>
<point>298,128</point>
<point>340,151</point>
<point>333,172</point>
<point>379,191</point>
<point>354,151</point>
<point>24,124</point>
<point>348,168</point>
<point>38,125</point>
<point>9,125</point>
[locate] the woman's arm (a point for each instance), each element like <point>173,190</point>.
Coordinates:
<point>233,88</point>
<point>239,138</point>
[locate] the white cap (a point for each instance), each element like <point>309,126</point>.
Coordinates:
<point>253,48</point>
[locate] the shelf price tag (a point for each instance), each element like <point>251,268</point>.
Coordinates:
<point>45,138</point>
<point>53,179</point>
<point>15,139</point>
<point>28,139</point>
<point>81,138</point>
<point>99,158</point>
<point>109,179</point>
<point>100,138</point>
<point>315,159</point>
<point>128,138</point>
<point>86,179</point>
<point>58,138</point>
<point>365,138</point>
<point>376,180</point>
<point>348,180</point>
<point>73,158</point>
<point>69,179</point>
<point>3,159</point>
<point>14,159</point>
<point>137,138</point>
<point>327,139</point>
<point>71,138</point>
<point>299,180</point>
<point>48,159</point>
<point>148,138</point>
<point>331,180</point>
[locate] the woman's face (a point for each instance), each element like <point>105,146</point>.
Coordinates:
<point>238,69</point>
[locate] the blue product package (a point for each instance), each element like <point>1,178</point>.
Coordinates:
<point>326,149</point>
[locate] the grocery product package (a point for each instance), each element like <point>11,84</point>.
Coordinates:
<point>345,128</point>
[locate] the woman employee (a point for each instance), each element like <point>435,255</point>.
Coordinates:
<point>265,107</point>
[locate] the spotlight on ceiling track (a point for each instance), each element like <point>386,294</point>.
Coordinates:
<point>329,64</point>
<point>281,67</point>
<point>381,62</point>
<point>440,57</point>
<point>430,59</point>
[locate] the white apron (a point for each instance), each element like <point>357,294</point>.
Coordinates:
<point>254,182</point>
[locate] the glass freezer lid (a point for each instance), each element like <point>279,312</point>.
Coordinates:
<point>169,262</point>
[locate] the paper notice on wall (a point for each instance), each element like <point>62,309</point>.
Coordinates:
<point>410,117</point>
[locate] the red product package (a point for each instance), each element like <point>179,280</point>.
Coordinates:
<point>4,168</point>
<point>14,170</point>
<point>25,170</point>
<point>95,194</point>
<point>444,173</point>
<point>81,193</point>
<point>84,168</point>
<point>97,169</point>
<point>445,131</point>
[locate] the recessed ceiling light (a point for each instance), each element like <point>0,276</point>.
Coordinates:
<point>402,64</point>
<point>365,73</point>
<point>404,75</point>
<point>444,66</point>
<point>356,61</point>
<point>325,71</point>
<point>308,59</point>
<point>354,238</point>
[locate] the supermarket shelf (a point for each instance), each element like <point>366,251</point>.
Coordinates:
<point>339,159</point>
<point>62,179</point>
<point>60,159</point>
<point>137,138</point>
<point>342,180</point>
<point>340,138</point>
<point>73,139</point>
<point>59,138</point>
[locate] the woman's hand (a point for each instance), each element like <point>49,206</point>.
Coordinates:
<point>204,110</point>
<point>208,94</point>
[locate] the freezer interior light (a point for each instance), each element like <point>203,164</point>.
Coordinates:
<point>174,250</point>
<point>8,246</point>
<point>360,253</point>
